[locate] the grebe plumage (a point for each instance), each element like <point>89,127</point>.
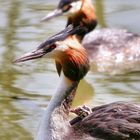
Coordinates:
<point>115,121</point>
<point>110,50</point>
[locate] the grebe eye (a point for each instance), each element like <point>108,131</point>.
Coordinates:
<point>66,8</point>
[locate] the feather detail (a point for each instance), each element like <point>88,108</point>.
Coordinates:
<point>58,67</point>
<point>74,60</point>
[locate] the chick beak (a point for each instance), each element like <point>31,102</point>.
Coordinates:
<point>55,13</point>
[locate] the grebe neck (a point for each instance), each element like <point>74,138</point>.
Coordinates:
<point>55,124</point>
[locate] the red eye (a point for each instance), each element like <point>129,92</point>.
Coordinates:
<point>50,48</point>
<point>66,8</point>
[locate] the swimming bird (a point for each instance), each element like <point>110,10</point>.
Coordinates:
<point>114,51</point>
<point>115,121</point>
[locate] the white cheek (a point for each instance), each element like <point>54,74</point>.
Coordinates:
<point>76,6</point>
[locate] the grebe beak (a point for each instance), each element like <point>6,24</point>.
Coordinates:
<point>31,55</point>
<point>70,8</point>
<point>55,13</point>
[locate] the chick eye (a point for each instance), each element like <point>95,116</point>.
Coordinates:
<point>66,8</point>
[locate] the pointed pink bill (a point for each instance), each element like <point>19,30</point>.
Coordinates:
<point>55,13</point>
<point>31,55</point>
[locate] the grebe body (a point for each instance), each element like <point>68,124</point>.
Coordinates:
<point>113,121</point>
<point>112,51</point>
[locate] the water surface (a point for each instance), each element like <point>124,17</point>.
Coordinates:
<point>25,89</point>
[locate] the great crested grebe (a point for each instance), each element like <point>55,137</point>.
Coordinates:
<point>111,50</point>
<point>115,121</point>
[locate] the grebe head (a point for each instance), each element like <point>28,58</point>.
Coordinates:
<point>70,56</point>
<point>81,12</point>
<point>65,6</point>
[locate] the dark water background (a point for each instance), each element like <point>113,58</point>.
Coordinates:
<point>26,89</point>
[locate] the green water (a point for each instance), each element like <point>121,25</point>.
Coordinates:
<point>25,89</point>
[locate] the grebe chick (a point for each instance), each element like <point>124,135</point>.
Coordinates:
<point>113,51</point>
<point>116,121</point>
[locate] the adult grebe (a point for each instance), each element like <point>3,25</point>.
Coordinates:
<point>115,121</point>
<point>111,50</point>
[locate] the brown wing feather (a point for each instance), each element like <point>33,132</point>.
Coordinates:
<point>116,121</point>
